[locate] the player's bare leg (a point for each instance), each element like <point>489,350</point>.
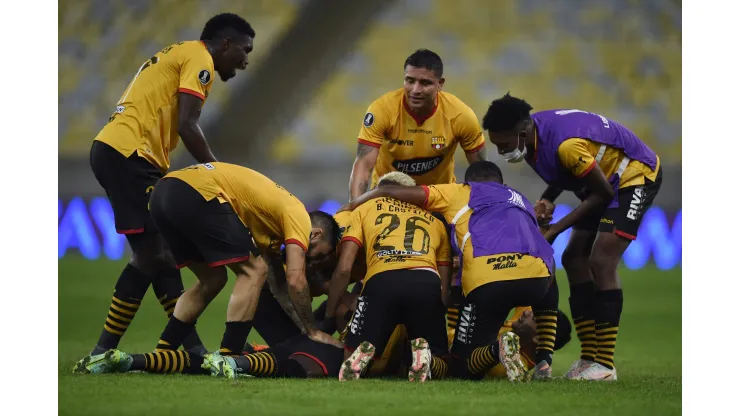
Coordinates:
<point>192,304</point>
<point>250,277</point>
<point>607,252</point>
<point>576,264</point>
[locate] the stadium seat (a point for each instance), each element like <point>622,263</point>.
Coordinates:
<point>102,43</point>
<point>622,59</point>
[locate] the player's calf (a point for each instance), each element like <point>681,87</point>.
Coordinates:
<point>354,366</point>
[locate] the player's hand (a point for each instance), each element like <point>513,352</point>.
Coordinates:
<point>544,209</point>
<point>324,338</point>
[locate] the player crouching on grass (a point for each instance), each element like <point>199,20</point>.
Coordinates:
<point>505,263</point>
<point>407,256</point>
<point>215,215</point>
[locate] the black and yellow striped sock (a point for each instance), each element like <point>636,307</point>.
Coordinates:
<point>258,364</point>
<point>582,311</point>
<point>168,362</point>
<point>174,333</point>
<point>607,325</point>
<point>439,368</point>
<point>130,290</point>
<point>168,288</point>
<point>547,324</point>
<point>235,336</point>
<point>483,359</point>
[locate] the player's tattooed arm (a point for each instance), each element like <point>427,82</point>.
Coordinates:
<point>189,130</point>
<point>362,169</point>
<point>477,156</point>
<point>278,284</point>
<point>300,295</point>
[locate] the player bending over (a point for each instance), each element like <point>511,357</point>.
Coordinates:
<point>215,215</point>
<point>160,105</point>
<point>505,263</point>
<point>407,255</point>
<point>616,176</point>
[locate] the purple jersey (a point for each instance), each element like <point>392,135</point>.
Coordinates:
<point>556,126</point>
<point>502,221</point>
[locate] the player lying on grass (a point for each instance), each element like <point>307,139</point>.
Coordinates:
<point>408,257</point>
<point>297,356</point>
<point>616,176</point>
<point>218,215</point>
<point>505,263</point>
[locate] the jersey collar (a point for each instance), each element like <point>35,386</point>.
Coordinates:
<point>420,120</point>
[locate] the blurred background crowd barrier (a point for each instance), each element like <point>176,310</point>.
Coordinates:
<point>294,114</point>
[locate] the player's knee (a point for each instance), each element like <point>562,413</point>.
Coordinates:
<point>601,263</point>
<point>254,270</point>
<point>152,258</point>
<point>572,259</point>
<point>212,286</point>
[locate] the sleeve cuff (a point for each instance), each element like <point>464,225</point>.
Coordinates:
<point>588,170</point>
<point>191,92</point>
<point>352,239</point>
<point>368,143</point>
<point>477,148</point>
<point>296,242</point>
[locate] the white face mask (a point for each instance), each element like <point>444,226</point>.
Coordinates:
<point>516,155</point>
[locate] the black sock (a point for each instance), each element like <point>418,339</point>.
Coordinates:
<point>174,333</point>
<point>608,312</point>
<point>235,336</point>
<point>168,362</point>
<point>130,290</point>
<point>259,364</point>
<point>168,287</point>
<point>582,311</point>
<point>546,318</point>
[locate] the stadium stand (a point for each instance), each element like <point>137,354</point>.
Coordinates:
<point>621,58</point>
<point>102,43</point>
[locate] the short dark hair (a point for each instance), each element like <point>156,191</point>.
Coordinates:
<point>218,26</point>
<point>562,333</point>
<point>326,222</point>
<point>424,58</point>
<point>505,113</point>
<point>484,171</point>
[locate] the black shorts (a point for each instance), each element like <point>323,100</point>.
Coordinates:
<point>197,230</point>
<point>625,219</point>
<point>128,182</point>
<point>271,321</point>
<point>487,307</point>
<point>409,297</point>
<point>328,357</point>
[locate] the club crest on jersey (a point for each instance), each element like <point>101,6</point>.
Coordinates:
<point>438,142</point>
<point>204,76</point>
<point>369,120</point>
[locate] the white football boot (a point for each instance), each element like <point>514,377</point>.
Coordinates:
<point>421,365</point>
<point>355,365</point>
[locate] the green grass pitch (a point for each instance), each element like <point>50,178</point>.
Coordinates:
<point>648,361</point>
